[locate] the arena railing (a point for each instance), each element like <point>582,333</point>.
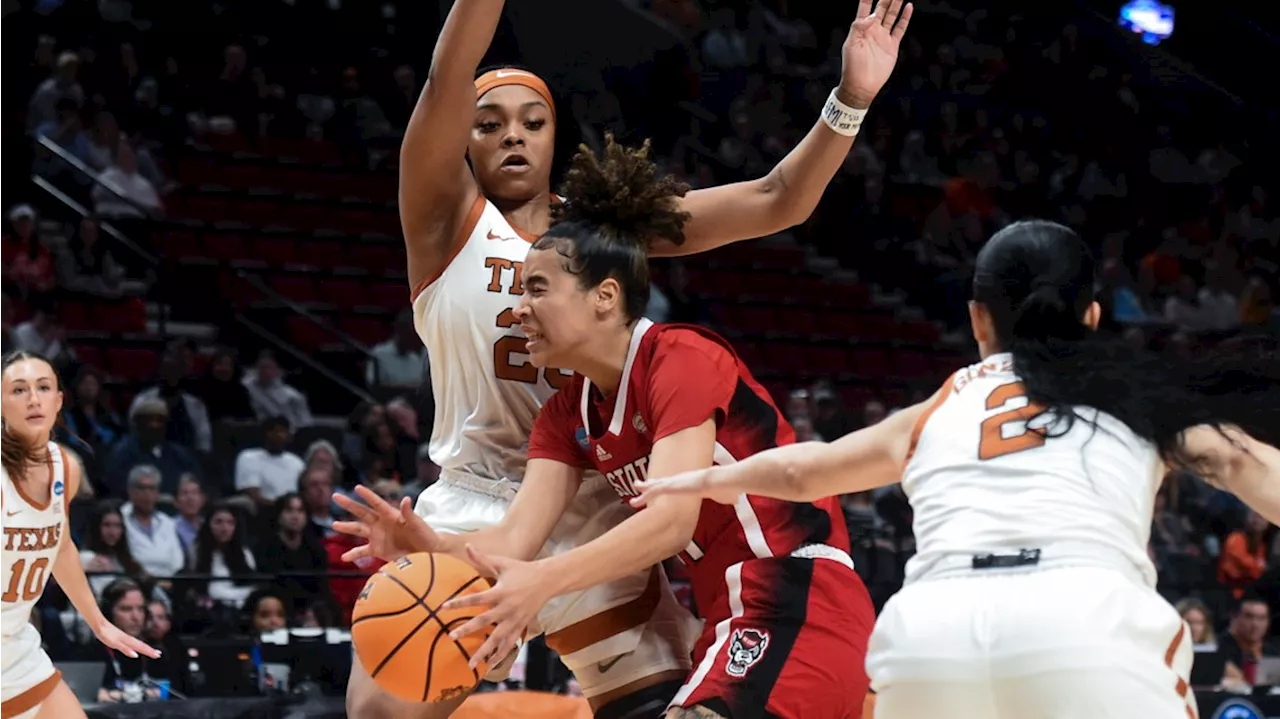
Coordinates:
<point>297,308</point>
<point>89,173</point>
<point>293,351</point>
<point>151,261</point>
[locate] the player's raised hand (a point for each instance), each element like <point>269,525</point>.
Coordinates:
<point>116,638</point>
<point>871,50</point>
<point>699,482</point>
<point>511,604</point>
<point>389,532</point>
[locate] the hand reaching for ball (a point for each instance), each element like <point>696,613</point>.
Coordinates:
<point>389,532</point>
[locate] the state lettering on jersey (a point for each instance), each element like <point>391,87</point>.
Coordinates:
<point>31,539</point>
<point>501,269</point>
<point>623,479</point>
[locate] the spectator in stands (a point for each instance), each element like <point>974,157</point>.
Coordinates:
<point>404,423</point>
<point>829,416</point>
<point>358,114</point>
<point>63,85</point>
<point>1182,308</point>
<point>87,413</point>
<point>147,445</point>
<point>1246,643</point>
<point>396,364</point>
<point>873,412</point>
<point>220,552</point>
<point>65,131</point>
<point>1176,556</point>
<point>86,264</point>
<point>272,397</point>
<point>153,535</point>
<point>427,472</point>
<point>1203,639</point>
<point>22,227</point>
<point>1256,305</point>
<point>28,263</point>
<point>270,471</point>
<point>105,547</point>
<point>187,421</point>
<point>221,389</point>
<point>44,333</point>
<point>316,485</point>
<point>400,102</point>
<point>1221,308</point>
<point>125,602</point>
<point>8,314</point>
<point>189,500</point>
<point>803,427</point>
<point>265,610</point>
<point>131,195</point>
<point>290,549</point>
<point>396,457</point>
<point>158,631</point>
<point>1244,554</point>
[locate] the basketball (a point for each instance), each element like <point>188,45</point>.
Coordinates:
<point>401,635</point>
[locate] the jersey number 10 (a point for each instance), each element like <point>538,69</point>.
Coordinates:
<point>509,345</point>
<point>30,590</point>
<point>995,441</point>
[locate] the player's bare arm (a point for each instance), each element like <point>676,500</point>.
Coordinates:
<point>1240,464</point>
<point>645,539</point>
<point>69,572</point>
<point>390,532</point>
<point>436,187</point>
<point>790,192</point>
<point>869,458</point>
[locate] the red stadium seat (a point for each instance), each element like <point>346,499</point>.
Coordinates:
<point>225,247</point>
<point>391,295</point>
<point>307,335</point>
<point>276,251</point>
<point>344,293</point>
<point>298,289</point>
<point>132,364</point>
<point>368,330</point>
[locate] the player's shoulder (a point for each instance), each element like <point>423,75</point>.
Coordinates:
<point>690,342</point>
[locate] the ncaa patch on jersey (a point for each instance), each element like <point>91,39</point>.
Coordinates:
<point>57,488</point>
<point>1237,709</point>
<point>581,436</point>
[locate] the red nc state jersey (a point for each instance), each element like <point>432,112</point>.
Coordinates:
<point>677,377</point>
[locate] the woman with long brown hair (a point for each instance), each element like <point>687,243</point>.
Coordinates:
<point>39,480</point>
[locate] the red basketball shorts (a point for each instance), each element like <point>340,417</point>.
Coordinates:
<point>793,645</point>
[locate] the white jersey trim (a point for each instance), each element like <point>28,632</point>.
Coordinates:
<point>620,406</point>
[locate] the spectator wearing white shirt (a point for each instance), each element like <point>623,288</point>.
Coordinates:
<point>1183,309</point>
<point>269,472</point>
<point>220,552</point>
<point>398,362</point>
<point>271,396</point>
<point>123,177</point>
<point>1221,308</point>
<point>153,536</point>
<point>43,105</point>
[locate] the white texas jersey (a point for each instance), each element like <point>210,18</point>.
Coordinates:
<point>487,393</point>
<point>979,482</point>
<point>32,536</point>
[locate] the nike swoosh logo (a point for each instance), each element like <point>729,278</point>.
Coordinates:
<point>604,667</point>
<point>10,514</point>
<point>510,73</point>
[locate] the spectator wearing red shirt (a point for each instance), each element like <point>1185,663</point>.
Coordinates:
<point>1244,555</point>
<point>28,263</point>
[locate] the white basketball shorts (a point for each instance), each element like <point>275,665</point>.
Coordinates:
<point>28,676</point>
<point>592,630</point>
<point>1063,643</point>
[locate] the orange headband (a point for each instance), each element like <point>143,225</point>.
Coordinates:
<point>511,76</point>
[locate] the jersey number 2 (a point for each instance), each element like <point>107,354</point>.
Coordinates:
<point>506,346</point>
<point>30,589</point>
<point>994,442</point>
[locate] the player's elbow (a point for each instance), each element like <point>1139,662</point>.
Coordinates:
<point>787,207</point>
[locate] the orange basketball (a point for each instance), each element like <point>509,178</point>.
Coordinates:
<point>401,635</point>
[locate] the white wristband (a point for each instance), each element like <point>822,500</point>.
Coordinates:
<point>841,118</point>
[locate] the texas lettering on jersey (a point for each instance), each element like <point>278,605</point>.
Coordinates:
<point>31,539</point>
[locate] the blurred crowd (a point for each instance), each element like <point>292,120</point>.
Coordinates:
<point>981,124</point>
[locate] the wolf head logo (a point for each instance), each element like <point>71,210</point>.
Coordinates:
<point>746,646</point>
